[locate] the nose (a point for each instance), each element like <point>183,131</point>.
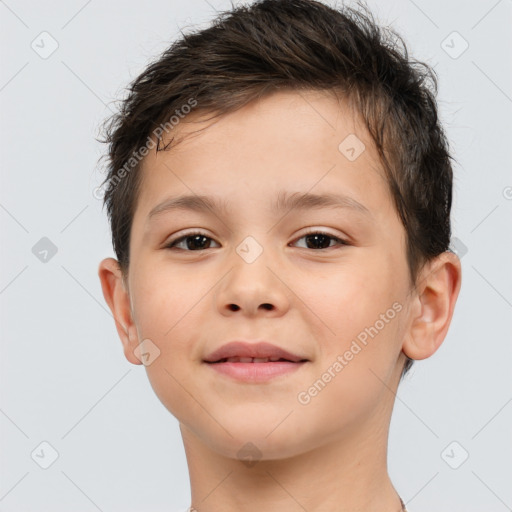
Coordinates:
<point>253,289</point>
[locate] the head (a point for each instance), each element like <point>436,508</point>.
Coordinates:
<point>277,101</point>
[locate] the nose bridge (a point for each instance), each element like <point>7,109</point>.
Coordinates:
<point>252,285</point>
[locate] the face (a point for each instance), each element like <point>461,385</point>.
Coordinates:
<point>327,282</point>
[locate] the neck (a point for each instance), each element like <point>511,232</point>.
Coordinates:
<point>348,472</point>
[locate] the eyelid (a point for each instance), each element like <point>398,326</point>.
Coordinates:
<point>189,232</point>
<point>326,231</point>
<point>342,240</point>
<point>322,231</point>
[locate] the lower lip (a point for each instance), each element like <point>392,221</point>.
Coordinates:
<point>256,372</point>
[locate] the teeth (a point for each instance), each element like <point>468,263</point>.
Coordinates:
<point>251,359</point>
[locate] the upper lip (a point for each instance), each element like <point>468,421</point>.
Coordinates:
<point>245,349</point>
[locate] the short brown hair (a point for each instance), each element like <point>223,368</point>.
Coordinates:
<point>271,45</point>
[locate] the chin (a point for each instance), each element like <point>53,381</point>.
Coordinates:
<point>253,441</point>
<point>249,450</point>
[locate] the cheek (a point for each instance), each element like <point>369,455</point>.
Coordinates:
<point>167,311</point>
<point>165,301</point>
<point>364,311</point>
<point>359,303</point>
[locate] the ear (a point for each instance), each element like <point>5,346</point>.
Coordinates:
<point>118,300</point>
<point>432,305</point>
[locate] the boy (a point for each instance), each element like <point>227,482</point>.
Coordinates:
<point>279,193</point>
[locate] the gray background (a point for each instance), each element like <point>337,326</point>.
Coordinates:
<point>64,378</point>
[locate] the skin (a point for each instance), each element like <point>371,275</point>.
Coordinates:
<point>328,454</point>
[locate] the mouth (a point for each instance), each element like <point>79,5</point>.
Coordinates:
<point>255,370</point>
<point>253,362</point>
<point>252,352</point>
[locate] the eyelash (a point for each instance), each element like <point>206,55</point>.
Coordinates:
<point>341,242</point>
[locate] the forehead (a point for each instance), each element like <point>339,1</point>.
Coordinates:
<point>307,141</point>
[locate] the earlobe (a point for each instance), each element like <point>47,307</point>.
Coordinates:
<point>133,343</point>
<point>437,291</point>
<point>118,299</point>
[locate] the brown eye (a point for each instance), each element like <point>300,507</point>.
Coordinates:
<point>192,242</point>
<point>320,240</point>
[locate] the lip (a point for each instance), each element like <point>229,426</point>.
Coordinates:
<point>256,372</point>
<point>253,371</point>
<point>245,349</point>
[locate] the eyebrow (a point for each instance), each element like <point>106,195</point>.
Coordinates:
<point>286,201</point>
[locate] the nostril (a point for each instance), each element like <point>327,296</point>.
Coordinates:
<point>266,305</point>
